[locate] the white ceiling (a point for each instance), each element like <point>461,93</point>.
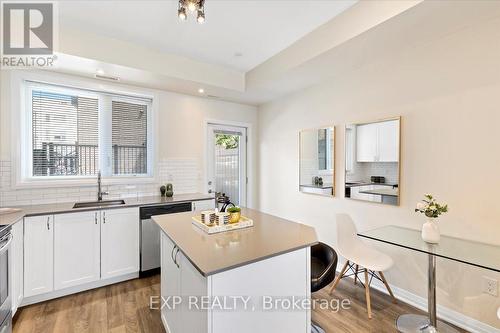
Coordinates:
<point>256,29</point>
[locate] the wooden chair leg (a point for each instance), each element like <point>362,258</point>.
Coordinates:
<point>356,274</point>
<point>387,286</point>
<point>367,292</point>
<point>339,277</point>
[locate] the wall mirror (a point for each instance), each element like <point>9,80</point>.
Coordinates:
<point>372,152</point>
<point>317,161</point>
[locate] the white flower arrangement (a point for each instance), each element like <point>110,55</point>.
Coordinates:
<point>430,207</point>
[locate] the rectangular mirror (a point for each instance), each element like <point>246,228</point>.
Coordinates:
<point>372,165</point>
<point>317,161</point>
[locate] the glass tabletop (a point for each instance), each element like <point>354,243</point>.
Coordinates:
<point>466,251</point>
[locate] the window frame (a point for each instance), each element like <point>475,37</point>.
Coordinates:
<point>22,85</point>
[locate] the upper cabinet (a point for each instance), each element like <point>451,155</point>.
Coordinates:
<point>378,142</point>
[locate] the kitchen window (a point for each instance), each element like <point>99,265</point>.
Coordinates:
<point>75,133</point>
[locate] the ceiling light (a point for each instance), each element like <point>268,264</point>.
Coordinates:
<point>182,14</point>
<point>192,6</point>
<point>100,72</point>
<point>201,91</point>
<point>201,17</point>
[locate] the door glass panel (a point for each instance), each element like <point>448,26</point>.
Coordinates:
<point>228,165</point>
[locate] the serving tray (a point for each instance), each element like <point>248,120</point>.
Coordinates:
<point>213,228</point>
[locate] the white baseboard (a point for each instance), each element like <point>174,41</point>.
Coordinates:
<point>456,318</point>
<point>76,289</point>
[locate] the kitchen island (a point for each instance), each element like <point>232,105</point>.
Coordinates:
<point>239,281</point>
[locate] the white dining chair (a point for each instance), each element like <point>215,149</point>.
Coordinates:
<point>360,258</point>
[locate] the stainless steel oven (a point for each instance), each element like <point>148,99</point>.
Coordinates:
<point>5,297</point>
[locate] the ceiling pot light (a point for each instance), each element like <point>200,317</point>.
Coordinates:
<point>201,17</point>
<point>100,72</point>
<point>201,91</point>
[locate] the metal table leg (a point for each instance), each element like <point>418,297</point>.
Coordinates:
<point>411,323</point>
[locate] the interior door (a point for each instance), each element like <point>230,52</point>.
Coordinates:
<point>227,165</point>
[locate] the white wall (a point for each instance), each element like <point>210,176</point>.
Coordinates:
<point>180,157</point>
<point>447,93</point>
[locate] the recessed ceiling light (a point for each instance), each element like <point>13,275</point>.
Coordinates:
<point>201,91</point>
<point>100,72</point>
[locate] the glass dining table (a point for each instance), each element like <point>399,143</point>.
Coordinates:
<point>468,252</point>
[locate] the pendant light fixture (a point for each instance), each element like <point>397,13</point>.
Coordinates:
<point>192,6</point>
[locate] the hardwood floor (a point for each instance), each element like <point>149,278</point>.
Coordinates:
<point>124,307</point>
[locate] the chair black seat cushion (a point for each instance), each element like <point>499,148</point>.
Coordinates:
<point>323,266</point>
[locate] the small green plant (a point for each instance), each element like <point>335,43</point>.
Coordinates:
<point>235,209</point>
<point>430,207</point>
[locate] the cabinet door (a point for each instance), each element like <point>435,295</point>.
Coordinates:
<point>203,205</point>
<point>17,265</point>
<point>170,285</point>
<point>192,284</point>
<point>366,143</point>
<point>388,141</point>
<point>38,255</point>
<point>119,242</point>
<point>76,249</point>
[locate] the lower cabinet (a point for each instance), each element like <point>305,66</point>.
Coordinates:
<point>203,205</point>
<point>38,255</point>
<point>76,249</point>
<point>17,249</point>
<point>179,278</point>
<point>119,242</point>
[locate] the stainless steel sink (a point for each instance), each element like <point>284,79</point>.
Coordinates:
<point>99,203</point>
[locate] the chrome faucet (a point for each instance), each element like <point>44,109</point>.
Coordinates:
<point>100,193</point>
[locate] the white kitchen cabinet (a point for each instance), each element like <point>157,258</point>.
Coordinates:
<point>179,277</point>
<point>76,249</point>
<point>170,285</point>
<point>38,255</point>
<point>119,242</point>
<point>388,141</point>
<point>16,278</point>
<point>378,142</point>
<point>366,142</point>
<point>203,205</point>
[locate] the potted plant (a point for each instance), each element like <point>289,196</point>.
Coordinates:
<point>235,214</point>
<point>432,210</point>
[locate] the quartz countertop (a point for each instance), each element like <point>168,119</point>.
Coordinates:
<point>67,207</point>
<point>210,254</point>
<point>324,186</point>
<point>391,192</point>
<point>361,183</point>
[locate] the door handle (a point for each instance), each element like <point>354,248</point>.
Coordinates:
<point>176,253</point>
<point>6,244</point>
<point>48,222</point>
<point>172,253</point>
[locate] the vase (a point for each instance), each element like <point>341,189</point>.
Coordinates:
<point>430,231</point>
<point>235,217</point>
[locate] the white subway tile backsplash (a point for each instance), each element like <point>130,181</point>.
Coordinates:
<point>184,174</point>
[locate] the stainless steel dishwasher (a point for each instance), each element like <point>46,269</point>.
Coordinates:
<point>150,232</point>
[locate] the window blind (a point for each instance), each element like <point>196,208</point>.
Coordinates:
<point>64,134</point>
<point>129,138</point>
